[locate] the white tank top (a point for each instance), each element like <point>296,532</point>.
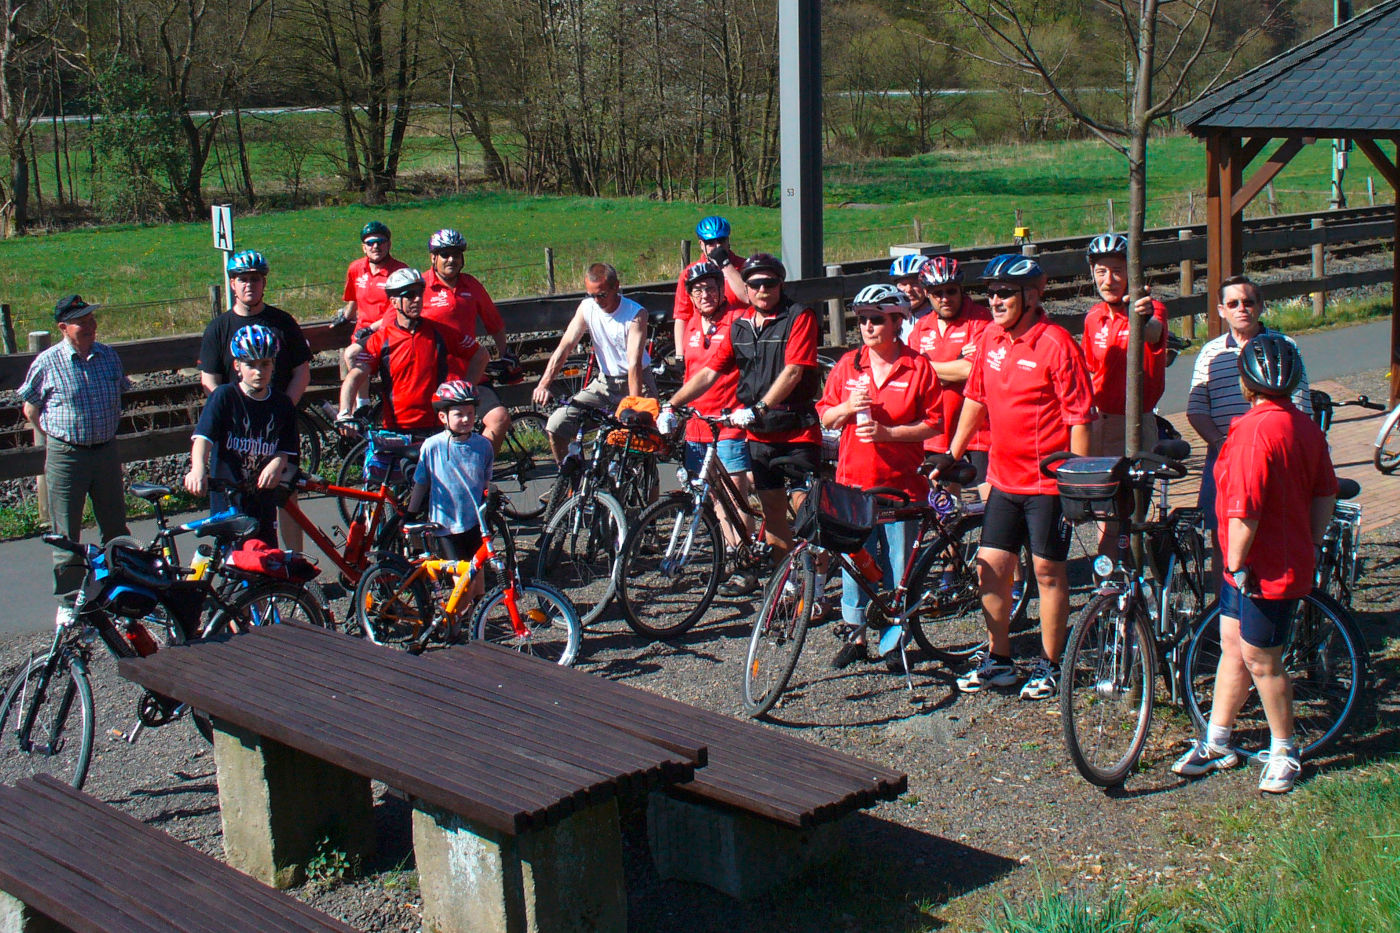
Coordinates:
<point>609,334</point>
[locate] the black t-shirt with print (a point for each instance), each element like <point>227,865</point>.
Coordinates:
<point>246,432</point>
<point>215,358</point>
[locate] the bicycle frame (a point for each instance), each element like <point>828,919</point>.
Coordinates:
<point>383,499</point>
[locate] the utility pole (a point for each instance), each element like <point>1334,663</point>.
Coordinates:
<point>1341,13</point>
<point>800,126</point>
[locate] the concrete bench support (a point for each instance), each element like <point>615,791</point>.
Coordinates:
<point>741,855</point>
<point>564,877</point>
<point>18,917</point>
<point>278,805</point>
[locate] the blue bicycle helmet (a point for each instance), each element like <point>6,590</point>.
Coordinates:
<point>1013,267</point>
<point>446,239</point>
<point>908,266</point>
<point>712,228</point>
<point>247,261</point>
<point>254,342</point>
<point>1107,244</point>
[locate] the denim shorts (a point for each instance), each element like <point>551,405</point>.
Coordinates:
<point>733,453</point>
<point>1264,623</point>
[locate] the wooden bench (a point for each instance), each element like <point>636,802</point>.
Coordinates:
<point>764,808</point>
<point>515,822</point>
<point>70,862</point>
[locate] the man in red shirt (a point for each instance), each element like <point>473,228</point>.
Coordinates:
<point>948,339</point>
<point>1276,489</point>
<point>1030,384</point>
<point>412,357</point>
<point>1106,347</point>
<point>365,301</point>
<point>713,234</point>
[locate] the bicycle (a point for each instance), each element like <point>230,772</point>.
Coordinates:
<point>1387,444</point>
<point>1337,565</point>
<point>402,603</point>
<point>1140,619</point>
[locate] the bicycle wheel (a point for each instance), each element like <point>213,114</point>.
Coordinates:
<point>566,484</point>
<point>640,480</point>
<point>779,632</point>
<point>525,470</point>
<point>46,721</point>
<point>670,568</point>
<point>269,602</point>
<point>549,624</point>
<point>1106,684</point>
<point>1387,456</point>
<point>310,436</point>
<point>390,613</point>
<point>1325,657</point>
<point>1185,594</point>
<point>579,550</point>
<point>351,474</point>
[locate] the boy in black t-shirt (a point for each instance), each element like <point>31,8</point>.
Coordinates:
<point>248,429</point>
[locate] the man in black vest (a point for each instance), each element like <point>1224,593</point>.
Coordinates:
<point>775,350</point>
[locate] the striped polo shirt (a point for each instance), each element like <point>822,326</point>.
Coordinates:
<point>79,400</point>
<point>1215,383</point>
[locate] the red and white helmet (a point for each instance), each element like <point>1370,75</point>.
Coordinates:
<point>454,393</point>
<point>940,271</point>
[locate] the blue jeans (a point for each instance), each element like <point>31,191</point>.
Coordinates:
<point>889,545</point>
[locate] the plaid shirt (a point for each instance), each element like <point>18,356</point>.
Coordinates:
<point>79,400</point>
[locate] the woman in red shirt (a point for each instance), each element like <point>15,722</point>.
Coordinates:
<point>883,396</point>
<point>1275,492</point>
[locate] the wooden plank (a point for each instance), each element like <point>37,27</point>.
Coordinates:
<point>1266,173</point>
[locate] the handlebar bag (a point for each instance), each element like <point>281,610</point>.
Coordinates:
<point>1090,487</point>
<point>836,517</point>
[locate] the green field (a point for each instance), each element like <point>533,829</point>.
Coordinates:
<point>158,275</point>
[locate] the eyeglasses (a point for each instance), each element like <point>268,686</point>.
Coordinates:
<point>761,284</point>
<point>950,291</point>
<point>1003,293</point>
<point>1241,302</point>
<point>874,320</point>
<point>706,285</point>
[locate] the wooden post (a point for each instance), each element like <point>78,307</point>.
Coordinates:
<point>1273,201</point>
<point>1029,249</point>
<point>7,330</point>
<point>1319,261</point>
<point>39,342</point>
<point>216,301</point>
<point>1190,207</point>
<point>835,313</point>
<point>1112,221</point>
<point>549,268</point>
<point>1187,287</point>
<point>1371,190</point>
<point>918,230</point>
<point>685,253</point>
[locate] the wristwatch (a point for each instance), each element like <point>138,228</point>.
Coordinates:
<point>760,407</point>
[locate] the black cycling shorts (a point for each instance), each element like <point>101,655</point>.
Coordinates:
<point>459,546</point>
<point>978,458</point>
<point>762,453</point>
<point>1264,623</point>
<point>1012,520</point>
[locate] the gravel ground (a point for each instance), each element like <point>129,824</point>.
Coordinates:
<point>994,809</point>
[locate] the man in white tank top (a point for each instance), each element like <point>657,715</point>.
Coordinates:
<point>618,328</point>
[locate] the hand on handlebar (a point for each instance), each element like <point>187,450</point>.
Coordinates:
<point>197,483</point>
<point>742,418</point>
<point>348,426</point>
<point>668,421</point>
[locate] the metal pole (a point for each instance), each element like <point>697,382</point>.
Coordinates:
<point>835,313</point>
<point>800,129</point>
<point>549,268</point>
<point>1341,12</point>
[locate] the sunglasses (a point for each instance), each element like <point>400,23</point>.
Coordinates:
<point>375,241</point>
<point>951,291</point>
<point>410,295</point>
<point>761,284</point>
<point>874,320</point>
<point>1003,293</point>
<point>599,296</point>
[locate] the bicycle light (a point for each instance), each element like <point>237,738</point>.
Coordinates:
<point>682,475</point>
<point>1103,566</point>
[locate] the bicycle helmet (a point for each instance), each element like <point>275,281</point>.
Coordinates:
<point>374,229</point>
<point>1107,244</point>
<point>907,266</point>
<point>404,282</point>
<point>254,342</point>
<point>886,298</point>
<point>247,261</point>
<point>763,262</point>
<point>940,271</point>
<point>703,270</point>
<point>446,239</point>
<point>454,393</point>
<point>1270,364</point>
<point>1013,267</point>
<point>712,228</point>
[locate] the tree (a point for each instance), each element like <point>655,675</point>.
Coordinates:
<point>25,48</point>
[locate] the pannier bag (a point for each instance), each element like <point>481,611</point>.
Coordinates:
<point>836,517</point>
<point>1091,487</point>
<point>256,557</point>
<point>639,413</point>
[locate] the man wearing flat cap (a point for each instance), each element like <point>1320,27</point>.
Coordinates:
<point>73,394</point>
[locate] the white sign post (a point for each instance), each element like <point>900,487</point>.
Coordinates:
<point>223,241</point>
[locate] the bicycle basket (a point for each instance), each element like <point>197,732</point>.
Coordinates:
<point>1090,488</point>
<point>643,443</point>
<point>836,517</point>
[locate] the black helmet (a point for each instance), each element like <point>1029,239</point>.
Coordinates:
<point>1270,364</point>
<point>763,262</point>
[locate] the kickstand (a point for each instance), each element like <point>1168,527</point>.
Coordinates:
<point>915,699</point>
<point>135,732</point>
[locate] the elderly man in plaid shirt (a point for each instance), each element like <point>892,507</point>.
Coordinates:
<point>73,394</point>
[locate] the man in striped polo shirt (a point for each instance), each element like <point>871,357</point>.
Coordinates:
<point>73,394</point>
<point>1216,399</point>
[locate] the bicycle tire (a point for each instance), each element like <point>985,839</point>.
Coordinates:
<point>667,576</point>
<point>779,632</point>
<point>579,551</point>
<point>268,602</point>
<point>1325,656</point>
<point>1387,455</point>
<point>309,433</point>
<point>49,699</point>
<point>566,483</point>
<point>1107,679</point>
<point>524,470</point>
<point>352,474</point>
<point>550,613</point>
<point>1185,594</point>
<point>384,617</point>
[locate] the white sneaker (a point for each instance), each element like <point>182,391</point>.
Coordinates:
<point>1202,758</point>
<point>986,672</point>
<point>1280,774</point>
<point>65,617</point>
<point>1042,683</point>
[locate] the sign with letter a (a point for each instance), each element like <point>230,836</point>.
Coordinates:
<point>223,227</point>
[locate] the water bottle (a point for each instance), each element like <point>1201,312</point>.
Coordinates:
<point>200,565</point>
<point>140,639</point>
<point>867,565</point>
<point>355,543</point>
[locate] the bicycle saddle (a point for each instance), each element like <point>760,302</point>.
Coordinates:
<point>1172,449</point>
<point>234,527</point>
<point>1348,488</point>
<point>422,528</point>
<point>149,491</point>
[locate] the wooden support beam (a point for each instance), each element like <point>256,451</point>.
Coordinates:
<point>1224,226</point>
<point>1381,161</point>
<point>1253,148</point>
<point>1265,174</point>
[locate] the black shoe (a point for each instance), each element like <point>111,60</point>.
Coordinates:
<point>850,653</point>
<point>739,584</point>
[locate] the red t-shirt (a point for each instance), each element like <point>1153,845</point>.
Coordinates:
<point>412,365</point>
<point>456,308</point>
<point>802,351</point>
<point>908,395</point>
<point>946,346</point>
<point>1273,464</point>
<point>1035,387</point>
<point>1106,353</point>
<point>365,287</point>
<point>702,346</point>
<point>684,308</point>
